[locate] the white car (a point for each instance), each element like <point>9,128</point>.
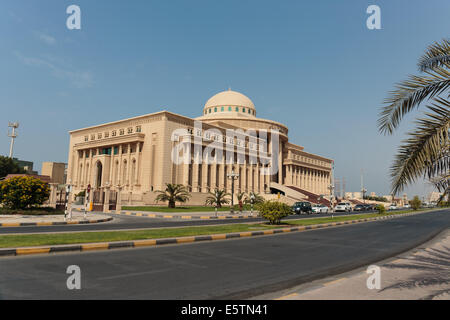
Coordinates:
<point>393,206</point>
<point>343,207</point>
<point>407,206</point>
<point>319,208</point>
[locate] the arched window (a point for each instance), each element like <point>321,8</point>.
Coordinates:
<point>133,172</point>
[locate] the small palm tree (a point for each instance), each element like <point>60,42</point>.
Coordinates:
<point>241,197</point>
<point>217,198</point>
<point>426,152</point>
<point>257,198</point>
<point>173,193</point>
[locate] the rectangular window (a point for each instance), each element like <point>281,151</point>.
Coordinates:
<point>138,129</point>
<point>86,138</point>
<point>92,136</point>
<point>113,133</point>
<point>106,134</point>
<point>99,135</point>
<point>106,151</point>
<point>116,150</point>
<point>121,132</point>
<point>130,130</point>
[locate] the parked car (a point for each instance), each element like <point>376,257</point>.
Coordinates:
<point>360,207</point>
<point>407,206</point>
<point>369,207</point>
<point>302,207</point>
<point>393,206</point>
<point>320,208</point>
<point>343,207</point>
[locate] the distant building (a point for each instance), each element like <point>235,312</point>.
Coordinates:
<point>55,170</point>
<point>373,194</point>
<point>25,165</point>
<point>353,195</point>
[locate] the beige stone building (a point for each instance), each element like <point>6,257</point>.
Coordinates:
<point>136,155</point>
<point>55,170</point>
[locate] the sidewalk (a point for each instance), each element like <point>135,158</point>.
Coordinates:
<point>424,274</point>
<point>25,220</point>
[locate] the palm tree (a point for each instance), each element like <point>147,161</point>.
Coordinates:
<point>217,198</point>
<point>241,197</point>
<point>256,198</point>
<point>173,193</point>
<point>426,151</point>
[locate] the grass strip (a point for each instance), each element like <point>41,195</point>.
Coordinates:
<point>24,240</point>
<point>181,209</point>
<point>305,222</point>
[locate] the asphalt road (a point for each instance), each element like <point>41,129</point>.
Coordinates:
<point>229,269</point>
<point>122,222</point>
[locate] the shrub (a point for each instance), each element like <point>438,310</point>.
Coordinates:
<point>23,192</point>
<point>415,203</point>
<point>273,211</point>
<point>381,209</point>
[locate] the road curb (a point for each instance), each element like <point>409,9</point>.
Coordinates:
<point>58,223</point>
<point>183,217</point>
<point>180,240</point>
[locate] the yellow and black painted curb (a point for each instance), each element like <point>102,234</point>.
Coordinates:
<point>179,240</point>
<point>184,217</point>
<point>58,223</point>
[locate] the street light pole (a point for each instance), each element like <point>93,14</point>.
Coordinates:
<point>331,188</point>
<point>233,176</point>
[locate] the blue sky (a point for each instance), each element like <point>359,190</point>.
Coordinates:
<point>312,65</point>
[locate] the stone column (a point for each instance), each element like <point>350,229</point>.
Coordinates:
<point>213,183</point>
<point>138,157</point>
<point>205,177</point>
<point>280,163</point>
<point>129,167</point>
<point>195,171</point>
<point>111,166</point>
<point>119,172</point>
<point>222,181</point>
<point>119,199</point>
<point>258,178</point>
<point>52,198</point>
<point>106,189</point>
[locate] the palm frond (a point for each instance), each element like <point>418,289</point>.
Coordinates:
<point>426,150</point>
<point>409,94</point>
<point>437,54</point>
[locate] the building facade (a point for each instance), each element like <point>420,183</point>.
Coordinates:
<point>140,155</point>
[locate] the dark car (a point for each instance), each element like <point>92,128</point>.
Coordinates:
<point>302,207</point>
<point>370,207</point>
<point>360,207</point>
